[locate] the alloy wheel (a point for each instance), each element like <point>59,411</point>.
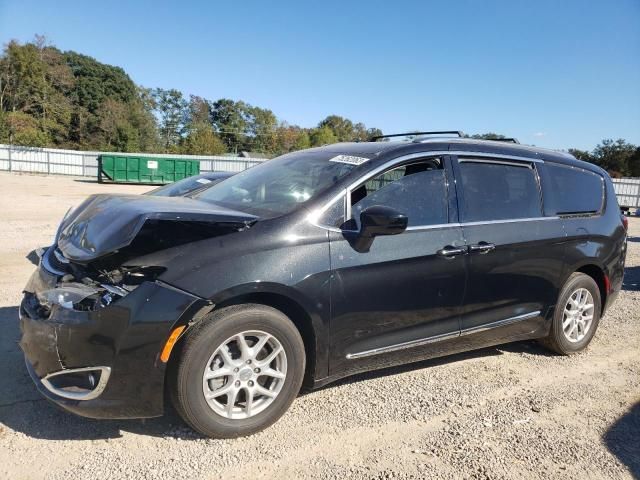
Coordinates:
<point>244,375</point>
<point>578,315</point>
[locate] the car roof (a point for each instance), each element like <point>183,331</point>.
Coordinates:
<point>375,149</point>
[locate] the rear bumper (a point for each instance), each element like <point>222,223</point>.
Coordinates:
<point>125,339</point>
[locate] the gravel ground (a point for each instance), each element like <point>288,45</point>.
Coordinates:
<point>514,411</point>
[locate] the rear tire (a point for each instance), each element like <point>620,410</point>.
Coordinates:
<point>576,316</point>
<point>255,353</point>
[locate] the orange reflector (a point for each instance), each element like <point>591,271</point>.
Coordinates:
<point>166,351</point>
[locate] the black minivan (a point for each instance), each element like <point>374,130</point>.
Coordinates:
<point>313,266</point>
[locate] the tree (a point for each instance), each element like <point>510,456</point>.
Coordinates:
<point>303,141</point>
<point>229,119</point>
<point>614,156</point>
<point>201,139</point>
<point>171,108</point>
<point>24,129</point>
<point>342,128</point>
<point>488,136</point>
<point>95,81</point>
<point>373,132</point>
<point>262,130</point>
<point>322,136</point>
<point>634,163</point>
<point>582,155</point>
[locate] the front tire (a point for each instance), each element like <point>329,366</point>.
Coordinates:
<point>576,316</point>
<point>239,370</point>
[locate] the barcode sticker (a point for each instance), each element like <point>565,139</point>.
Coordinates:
<point>349,159</point>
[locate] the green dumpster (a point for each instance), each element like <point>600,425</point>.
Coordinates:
<point>150,170</point>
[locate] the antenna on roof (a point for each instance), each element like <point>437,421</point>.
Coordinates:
<point>457,133</point>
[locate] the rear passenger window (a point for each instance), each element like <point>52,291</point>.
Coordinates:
<point>498,191</point>
<point>417,190</point>
<point>572,190</point>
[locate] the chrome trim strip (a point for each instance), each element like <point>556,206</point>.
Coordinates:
<point>403,345</point>
<point>105,373</point>
<point>313,217</point>
<point>509,220</point>
<point>431,227</point>
<point>494,155</point>
<point>466,159</point>
<point>442,337</point>
<point>499,323</point>
<point>452,225</point>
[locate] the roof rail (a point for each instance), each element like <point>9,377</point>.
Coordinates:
<point>408,134</point>
<point>508,140</point>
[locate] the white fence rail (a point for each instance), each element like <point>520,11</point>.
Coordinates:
<point>627,191</point>
<point>85,164</point>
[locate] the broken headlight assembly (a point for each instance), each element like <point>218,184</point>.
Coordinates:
<point>84,291</point>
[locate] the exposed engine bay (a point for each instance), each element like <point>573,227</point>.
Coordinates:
<point>98,253</point>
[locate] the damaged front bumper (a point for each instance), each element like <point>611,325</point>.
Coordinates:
<point>101,362</point>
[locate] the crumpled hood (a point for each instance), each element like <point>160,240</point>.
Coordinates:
<point>103,223</point>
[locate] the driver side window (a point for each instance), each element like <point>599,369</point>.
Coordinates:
<point>418,190</point>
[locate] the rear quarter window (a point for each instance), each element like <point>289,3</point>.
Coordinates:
<point>572,191</point>
<point>498,191</point>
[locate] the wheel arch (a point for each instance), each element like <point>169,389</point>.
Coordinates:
<point>307,320</point>
<point>600,277</point>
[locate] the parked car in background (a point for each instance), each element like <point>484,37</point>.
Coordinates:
<point>317,265</point>
<point>189,185</point>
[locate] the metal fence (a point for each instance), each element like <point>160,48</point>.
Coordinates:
<point>15,158</point>
<point>627,191</point>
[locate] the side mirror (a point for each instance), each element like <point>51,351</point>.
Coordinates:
<point>376,220</point>
<point>379,220</point>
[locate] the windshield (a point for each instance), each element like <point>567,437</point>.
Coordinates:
<point>188,185</point>
<point>281,185</point>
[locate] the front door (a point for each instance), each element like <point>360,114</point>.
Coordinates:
<point>390,303</point>
<point>515,255</point>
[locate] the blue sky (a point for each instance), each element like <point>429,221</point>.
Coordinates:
<point>557,74</point>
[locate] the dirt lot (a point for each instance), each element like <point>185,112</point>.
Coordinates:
<point>510,412</point>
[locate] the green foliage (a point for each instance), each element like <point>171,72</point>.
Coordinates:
<point>488,136</point>
<point>262,130</point>
<point>202,140</point>
<point>322,136</point>
<point>302,141</point>
<point>51,98</point>
<point>95,82</point>
<point>617,157</point>
<point>229,119</point>
<point>69,100</point>
<point>634,163</point>
<point>342,128</point>
<point>582,155</point>
<point>172,112</point>
<point>614,156</point>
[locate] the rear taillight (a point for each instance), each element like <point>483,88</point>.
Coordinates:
<point>625,221</point>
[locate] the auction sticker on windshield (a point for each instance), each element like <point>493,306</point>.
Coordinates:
<point>349,159</point>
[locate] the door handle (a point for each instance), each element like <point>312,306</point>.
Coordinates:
<point>450,251</point>
<point>481,247</point>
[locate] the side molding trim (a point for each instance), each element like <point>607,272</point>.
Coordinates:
<point>440,338</point>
